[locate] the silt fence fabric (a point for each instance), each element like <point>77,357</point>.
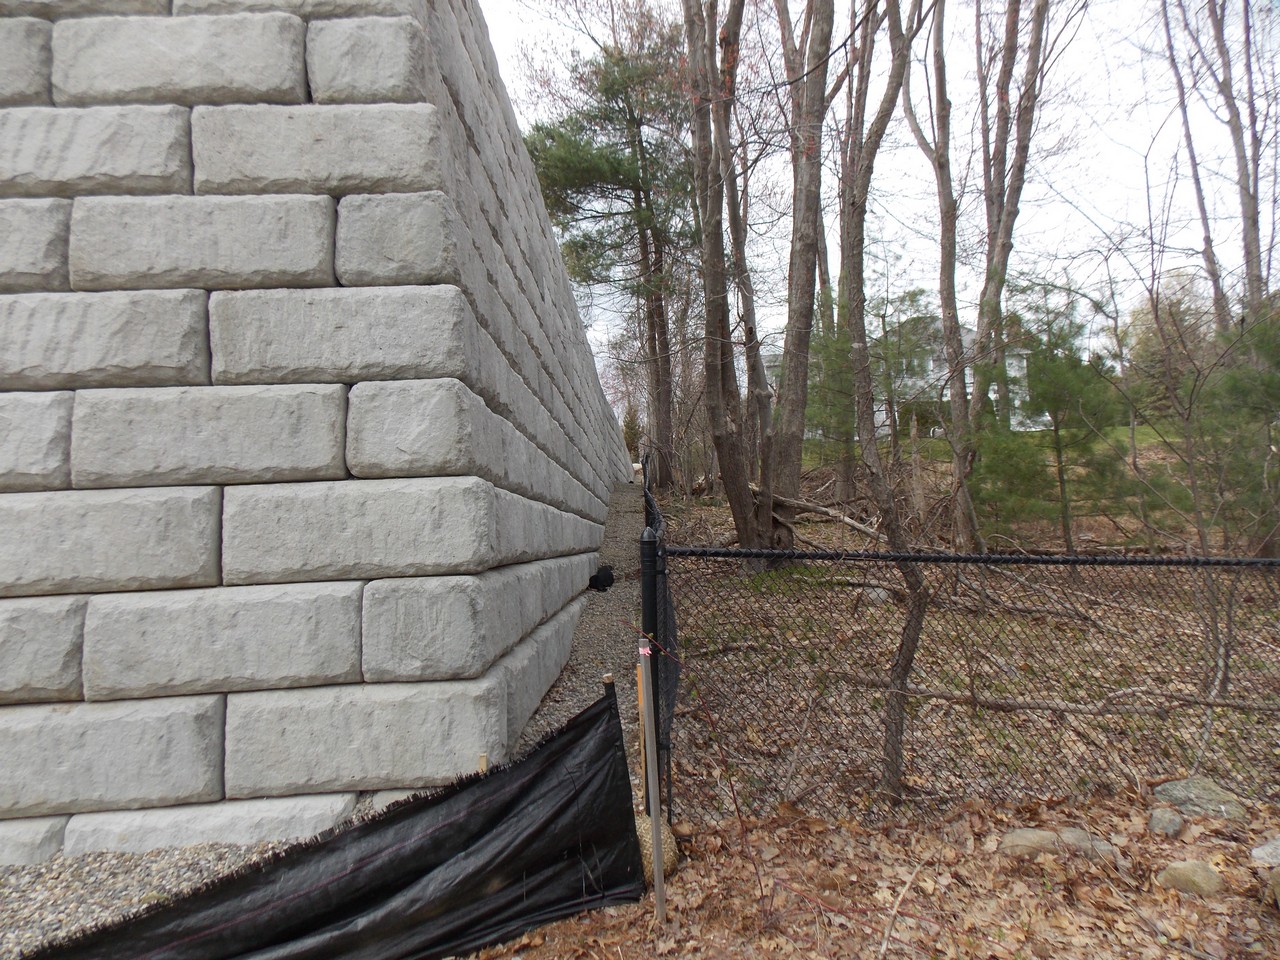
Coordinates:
<point>436,876</point>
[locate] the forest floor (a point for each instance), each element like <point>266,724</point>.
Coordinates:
<point>930,882</point>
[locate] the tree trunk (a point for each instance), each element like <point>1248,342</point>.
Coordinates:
<point>964,529</point>
<point>807,77</point>
<point>724,407</point>
<point>1003,177</point>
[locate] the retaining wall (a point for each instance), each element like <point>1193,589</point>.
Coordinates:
<point>303,457</point>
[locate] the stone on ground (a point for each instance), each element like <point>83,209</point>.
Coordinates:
<point>1191,876</point>
<point>1201,797</point>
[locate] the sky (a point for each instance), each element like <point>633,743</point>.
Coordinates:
<point>1108,130</point>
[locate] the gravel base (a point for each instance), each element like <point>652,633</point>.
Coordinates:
<point>64,895</point>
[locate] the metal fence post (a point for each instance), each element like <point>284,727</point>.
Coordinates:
<point>649,627</point>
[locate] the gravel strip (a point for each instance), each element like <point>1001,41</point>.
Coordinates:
<point>64,895</point>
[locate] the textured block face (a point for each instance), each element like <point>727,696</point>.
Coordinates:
<point>40,643</point>
<point>205,641</point>
<point>54,340</point>
<point>208,435</point>
<point>283,533</point>
<point>422,428</point>
<point>212,242</point>
<point>77,758</point>
<point>33,244</point>
<point>419,428</point>
<point>527,530</point>
<point>240,821</point>
<point>35,441</point>
<point>383,148</point>
<point>342,336</point>
<point>25,62</point>
<point>106,540</point>
<point>50,152</point>
<point>308,8</point>
<point>361,738</point>
<point>446,628</point>
<point>32,840</point>
<point>367,60</point>
<point>397,238</point>
<point>234,59</point>
<point>52,9</point>
<point>531,668</point>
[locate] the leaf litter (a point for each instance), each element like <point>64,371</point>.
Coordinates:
<point>797,886</point>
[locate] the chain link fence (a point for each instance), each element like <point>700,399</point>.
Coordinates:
<point>1032,676</point>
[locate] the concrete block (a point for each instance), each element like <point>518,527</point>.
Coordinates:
<point>367,737</point>
<point>396,238</point>
<point>35,441</point>
<point>85,541</point>
<point>180,435</point>
<point>528,530</point>
<point>422,428</point>
<point>367,60</point>
<point>40,643</point>
<point>342,336</point>
<point>212,242</point>
<point>30,841</point>
<point>308,8</point>
<point>25,62</point>
<point>254,58</point>
<point>281,533</point>
<point>54,340</point>
<point>366,148</point>
<point>381,799</point>
<point>33,244</point>
<point>54,9</point>
<point>447,628</point>
<point>238,821</point>
<point>531,668</point>
<point>207,641</point>
<point>431,428</point>
<point>84,757</point>
<point>46,151</point>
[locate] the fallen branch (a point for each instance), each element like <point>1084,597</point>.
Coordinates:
<point>893,914</point>
<point>804,506</point>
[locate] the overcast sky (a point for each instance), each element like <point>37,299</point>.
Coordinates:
<point>1109,128</point>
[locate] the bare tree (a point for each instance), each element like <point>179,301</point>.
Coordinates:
<point>806,62</point>
<point>713,51</point>
<point>861,143</point>
<point>1005,131</point>
<point>936,146</point>
<point>1216,53</point>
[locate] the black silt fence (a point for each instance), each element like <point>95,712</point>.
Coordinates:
<point>435,876</point>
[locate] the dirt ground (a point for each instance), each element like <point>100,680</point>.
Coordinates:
<point>798,886</point>
<point>934,885</point>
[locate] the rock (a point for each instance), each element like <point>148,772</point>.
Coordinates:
<point>1165,822</point>
<point>1191,876</point>
<point>1268,854</point>
<point>1272,895</point>
<point>1029,842</point>
<point>1201,797</point>
<point>1085,843</point>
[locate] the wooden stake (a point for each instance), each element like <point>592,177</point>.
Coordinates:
<point>484,763</point>
<point>650,753</point>
<point>644,765</point>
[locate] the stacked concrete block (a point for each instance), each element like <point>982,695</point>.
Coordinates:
<point>303,457</point>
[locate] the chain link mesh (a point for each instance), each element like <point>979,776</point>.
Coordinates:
<point>1032,677</point>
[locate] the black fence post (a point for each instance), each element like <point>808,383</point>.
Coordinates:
<point>649,626</point>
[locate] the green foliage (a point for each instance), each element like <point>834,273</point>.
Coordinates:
<point>904,346</point>
<point>631,431</point>
<point>613,166</point>
<point>1213,398</point>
